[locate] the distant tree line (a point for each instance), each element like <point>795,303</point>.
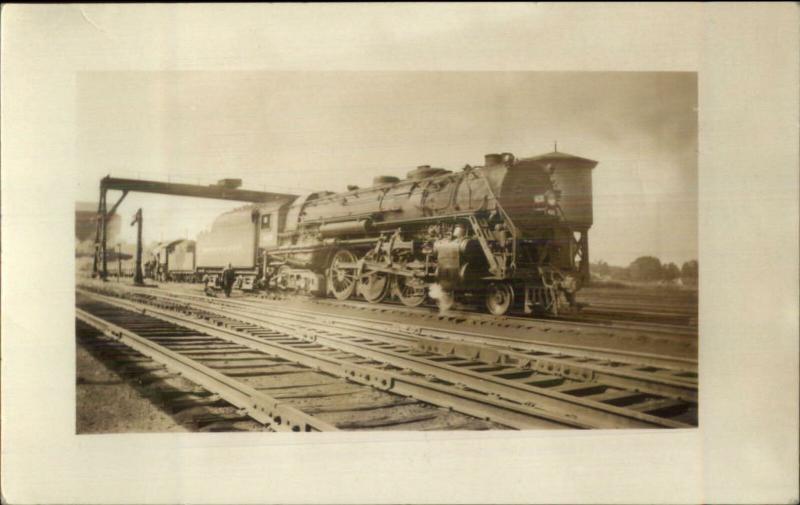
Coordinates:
<point>648,269</point>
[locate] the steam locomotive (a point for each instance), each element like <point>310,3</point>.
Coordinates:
<point>512,234</point>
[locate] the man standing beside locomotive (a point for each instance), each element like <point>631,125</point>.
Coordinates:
<point>228,277</point>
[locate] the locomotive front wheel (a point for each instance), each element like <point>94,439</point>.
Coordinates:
<point>499,298</point>
<point>375,287</point>
<point>411,292</point>
<point>342,274</point>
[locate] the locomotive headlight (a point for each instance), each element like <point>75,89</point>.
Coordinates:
<point>552,200</point>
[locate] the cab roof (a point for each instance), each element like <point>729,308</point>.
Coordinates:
<point>561,157</point>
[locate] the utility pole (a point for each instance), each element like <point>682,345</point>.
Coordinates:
<point>137,272</point>
<point>104,238</point>
<point>99,267</point>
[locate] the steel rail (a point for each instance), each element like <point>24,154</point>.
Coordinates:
<point>672,382</point>
<point>475,380</point>
<point>566,366</point>
<point>665,330</point>
<point>261,407</point>
<point>473,403</point>
<point>571,368</point>
<point>678,333</point>
<point>628,357</point>
<point>557,404</point>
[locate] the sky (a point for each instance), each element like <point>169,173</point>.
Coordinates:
<point>296,132</point>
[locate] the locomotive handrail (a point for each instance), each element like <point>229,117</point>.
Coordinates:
<point>382,224</point>
<point>506,219</point>
<point>494,267</point>
<point>343,219</point>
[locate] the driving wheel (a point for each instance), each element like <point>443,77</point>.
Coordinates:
<point>410,291</point>
<point>374,287</point>
<point>342,274</point>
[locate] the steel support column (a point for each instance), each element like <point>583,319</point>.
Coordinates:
<point>96,261</point>
<point>103,235</point>
<point>138,278</point>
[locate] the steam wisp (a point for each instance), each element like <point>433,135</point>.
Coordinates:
<point>444,299</point>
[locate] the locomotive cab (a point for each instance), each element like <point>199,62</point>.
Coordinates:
<point>551,187</point>
<point>572,180</point>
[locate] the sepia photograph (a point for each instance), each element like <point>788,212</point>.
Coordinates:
<point>399,253</point>
<point>386,251</point>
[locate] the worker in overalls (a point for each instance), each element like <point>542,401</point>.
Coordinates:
<point>228,278</point>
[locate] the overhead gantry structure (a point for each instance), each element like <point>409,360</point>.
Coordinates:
<point>225,189</point>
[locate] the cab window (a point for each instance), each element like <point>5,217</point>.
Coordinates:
<point>265,221</point>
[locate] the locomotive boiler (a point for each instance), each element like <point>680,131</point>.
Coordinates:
<point>511,233</point>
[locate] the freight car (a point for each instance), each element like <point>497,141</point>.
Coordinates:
<point>172,261</point>
<point>512,233</point>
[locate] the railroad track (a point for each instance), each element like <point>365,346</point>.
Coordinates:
<point>665,325</point>
<point>617,367</point>
<point>650,317</point>
<point>506,386</point>
<point>599,319</point>
<point>191,406</point>
<point>618,318</point>
<point>685,335</point>
<point>276,393</point>
<point>417,333</point>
